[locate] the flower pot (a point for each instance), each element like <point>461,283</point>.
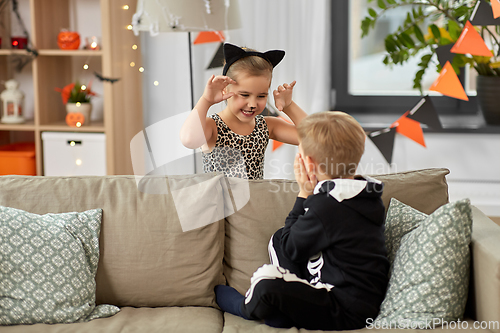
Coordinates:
<point>488,94</point>
<point>83,108</point>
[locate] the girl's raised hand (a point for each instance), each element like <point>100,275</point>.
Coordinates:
<point>283,95</point>
<point>214,90</point>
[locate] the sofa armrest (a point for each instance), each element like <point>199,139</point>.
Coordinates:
<point>485,277</point>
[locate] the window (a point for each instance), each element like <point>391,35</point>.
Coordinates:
<point>362,83</point>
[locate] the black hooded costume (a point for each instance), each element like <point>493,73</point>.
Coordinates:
<point>329,263</point>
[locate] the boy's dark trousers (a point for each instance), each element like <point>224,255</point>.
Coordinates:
<point>282,296</point>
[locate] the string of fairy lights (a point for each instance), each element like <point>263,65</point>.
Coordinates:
<point>132,64</point>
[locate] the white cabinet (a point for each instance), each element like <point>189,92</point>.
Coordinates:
<point>74,154</point>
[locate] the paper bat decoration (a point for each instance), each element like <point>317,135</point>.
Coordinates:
<point>105,79</point>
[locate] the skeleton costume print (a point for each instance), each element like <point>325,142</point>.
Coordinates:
<point>329,268</point>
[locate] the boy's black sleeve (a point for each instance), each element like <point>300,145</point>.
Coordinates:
<point>303,235</point>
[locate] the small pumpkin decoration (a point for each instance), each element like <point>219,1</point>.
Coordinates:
<point>68,40</point>
<point>75,119</point>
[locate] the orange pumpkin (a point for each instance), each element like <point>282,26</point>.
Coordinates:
<point>68,40</point>
<point>75,119</point>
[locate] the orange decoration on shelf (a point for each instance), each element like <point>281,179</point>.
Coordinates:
<point>68,40</point>
<point>75,119</point>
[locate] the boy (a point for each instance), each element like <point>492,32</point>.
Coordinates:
<point>329,268</point>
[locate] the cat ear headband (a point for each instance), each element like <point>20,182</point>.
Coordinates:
<point>233,53</point>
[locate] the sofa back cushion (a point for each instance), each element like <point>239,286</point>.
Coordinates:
<point>248,230</point>
<point>145,257</point>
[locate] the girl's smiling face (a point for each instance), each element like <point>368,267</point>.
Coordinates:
<point>250,96</point>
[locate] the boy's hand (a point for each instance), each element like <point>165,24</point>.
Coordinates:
<point>214,90</point>
<point>306,181</point>
<point>283,96</point>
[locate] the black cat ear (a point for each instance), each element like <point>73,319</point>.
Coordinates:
<point>274,56</point>
<point>233,53</point>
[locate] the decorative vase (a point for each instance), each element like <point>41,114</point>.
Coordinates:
<point>83,108</point>
<point>488,95</point>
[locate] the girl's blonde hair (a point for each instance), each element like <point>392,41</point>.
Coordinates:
<point>334,140</point>
<point>251,65</point>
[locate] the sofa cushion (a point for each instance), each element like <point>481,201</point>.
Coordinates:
<point>400,220</point>
<point>136,320</point>
<point>425,190</point>
<point>48,266</point>
<point>249,229</point>
<point>430,272</point>
<point>146,258</point>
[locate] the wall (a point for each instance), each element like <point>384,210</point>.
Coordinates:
<point>473,161</point>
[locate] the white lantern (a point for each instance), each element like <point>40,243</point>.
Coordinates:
<point>12,100</point>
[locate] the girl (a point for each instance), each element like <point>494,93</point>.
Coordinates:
<point>234,140</point>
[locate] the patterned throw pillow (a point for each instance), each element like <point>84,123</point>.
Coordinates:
<point>430,265</point>
<point>400,220</point>
<point>47,267</point>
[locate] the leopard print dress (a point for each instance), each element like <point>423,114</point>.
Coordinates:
<point>238,155</point>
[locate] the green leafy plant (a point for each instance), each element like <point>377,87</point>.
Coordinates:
<point>428,25</point>
<point>76,93</point>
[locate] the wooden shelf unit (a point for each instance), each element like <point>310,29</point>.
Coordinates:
<point>122,100</point>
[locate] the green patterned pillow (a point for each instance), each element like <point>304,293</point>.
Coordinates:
<point>400,220</point>
<point>430,265</point>
<point>47,267</point>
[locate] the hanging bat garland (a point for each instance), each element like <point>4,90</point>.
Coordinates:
<point>106,79</point>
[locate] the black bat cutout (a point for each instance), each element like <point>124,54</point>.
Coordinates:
<point>106,79</point>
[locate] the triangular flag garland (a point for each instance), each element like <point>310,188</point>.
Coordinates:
<point>277,144</point>
<point>209,37</point>
<point>449,84</point>
<point>384,140</point>
<point>426,114</point>
<point>218,59</point>
<point>471,42</point>
<point>495,6</point>
<point>410,128</point>
<point>423,112</point>
<point>443,53</point>
<point>483,13</point>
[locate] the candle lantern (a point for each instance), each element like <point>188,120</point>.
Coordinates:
<point>12,101</point>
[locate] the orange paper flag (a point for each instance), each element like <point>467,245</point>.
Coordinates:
<point>470,41</point>
<point>276,144</point>
<point>410,128</point>
<point>448,83</point>
<point>209,37</point>
<point>495,5</point>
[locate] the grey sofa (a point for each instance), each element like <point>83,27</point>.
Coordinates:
<point>161,270</point>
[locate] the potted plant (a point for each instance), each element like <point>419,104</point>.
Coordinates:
<point>431,24</point>
<point>77,97</point>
